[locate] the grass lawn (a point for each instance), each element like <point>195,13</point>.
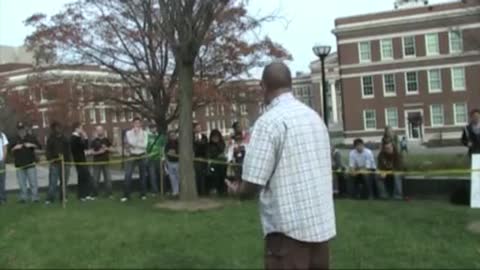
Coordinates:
<point>105,233</point>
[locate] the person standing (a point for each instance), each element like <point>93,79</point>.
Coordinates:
<point>101,147</point>
<point>217,171</point>
<point>471,133</point>
<point>23,150</point>
<point>3,160</point>
<point>137,140</point>
<point>362,168</point>
<point>404,145</point>
<point>171,151</point>
<point>79,149</point>
<point>289,162</point>
<point>57,145</point>
<point>236,155</point>
<point>390,160</point>
<point>155,146</point>
<point>390,136</point>
<point>200,143</point>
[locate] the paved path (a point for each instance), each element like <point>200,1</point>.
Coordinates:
<point>42,176</point>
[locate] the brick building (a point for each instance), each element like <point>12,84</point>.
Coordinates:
<point>415,68</point>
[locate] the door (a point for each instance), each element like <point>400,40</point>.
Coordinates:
<point>415,125</point>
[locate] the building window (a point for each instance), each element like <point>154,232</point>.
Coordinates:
<point>114,116</point>
<point>243,109</point>
<point>460,113</point>
<point>434,81</point>
<point>391,116</point>
<point>389,85</point>
<point>212,110</point>
<point>207,111</point>
<point>367,87</point>
<point>458,79</point>
<point>208,127</point>
<point>222,109</point>
<point>130,116</point>
<point>456,41</point>
<point>93,116</point>
<point>387,49</point>
<point>432,45</point>
<point>42,96</point>
<point>369,119</point>
<point>103,115</point>
<point>365,51</point>
<point>213,125</point>
<point>122,116</point>
<point>45,121</point>
<point>437,116</point>
<point>409,46</point>
<point>412,82</point>
<point>194,114</point>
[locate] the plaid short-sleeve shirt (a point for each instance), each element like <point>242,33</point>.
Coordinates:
<point>289,156</point>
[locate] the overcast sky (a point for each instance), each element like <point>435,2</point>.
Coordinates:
<point>309,21</point>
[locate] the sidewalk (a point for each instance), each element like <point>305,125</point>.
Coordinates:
<point>42,176</point>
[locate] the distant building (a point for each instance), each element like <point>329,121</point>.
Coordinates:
<point>415,69</point>
<point>19,55</point>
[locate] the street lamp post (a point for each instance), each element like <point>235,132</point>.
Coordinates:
<point>322,52</point>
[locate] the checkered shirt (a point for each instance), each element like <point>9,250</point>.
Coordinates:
<point>289,156</point>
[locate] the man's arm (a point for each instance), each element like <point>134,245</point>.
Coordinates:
<point>465,138</point>
<point>4,147</point>
<point>243,190</point>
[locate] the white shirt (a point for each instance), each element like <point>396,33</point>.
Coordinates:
<point>3,142</point>
<point>364,160</point>
<point>289,156</point>
<point>137,141</point>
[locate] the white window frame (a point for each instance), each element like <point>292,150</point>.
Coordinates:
<point>428,52</point>
<point>414,47</point>
<point>385,94</point>
<point>123,116</point>
<point>363,90</point>
<point>430,90</point>
<point>452,76</point>
<point>243,109</point>
<point>381,49</point>
<point>450,42</point>
<point>386,117</point>
<point>114,116</point>
<point>360,52</point>
<point>207,111</point>
<point>44,118</point>
<point>92,115</point>
<point>455,120</point>
<point>408,93</point>
<point>130,116</point>
<point>365,119</point>
<point>431,116</point>
<point>103,115</point>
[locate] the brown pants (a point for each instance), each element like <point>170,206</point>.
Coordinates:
<point>283,252</point>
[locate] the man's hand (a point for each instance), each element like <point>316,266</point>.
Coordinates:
<point>233,187</point>
<point>17,147</point>
<point>30,145</point>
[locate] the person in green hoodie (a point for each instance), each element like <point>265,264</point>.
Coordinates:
<point>155,145</point>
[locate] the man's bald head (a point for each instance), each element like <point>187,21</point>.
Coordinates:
<point>276,76</point>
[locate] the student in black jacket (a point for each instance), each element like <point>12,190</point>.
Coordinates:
<point>57,146</point>
<point>79,146</point>
<point>200,144</point>
<point>171,152</point>
<point>216,172</point>
<point>471,133</point>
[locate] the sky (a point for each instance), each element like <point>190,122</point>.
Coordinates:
<point>304,24</point>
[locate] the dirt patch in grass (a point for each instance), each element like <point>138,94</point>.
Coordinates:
<point>474,227</point>
<point>190,206</point>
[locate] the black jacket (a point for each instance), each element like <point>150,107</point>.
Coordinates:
<point>469,136</point>
<point>200,146</point>
<point>78,146</point>
<point>171,145</point>
<point>58,144</point>
<point>24,156</point>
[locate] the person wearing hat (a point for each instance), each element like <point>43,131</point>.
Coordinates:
<point>23,149</point>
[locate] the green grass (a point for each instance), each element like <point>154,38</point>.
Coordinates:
<point>428,162</point>
<point>105,233</point>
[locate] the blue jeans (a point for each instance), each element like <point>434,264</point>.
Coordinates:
<point>129,168</point>
<point>24,176</point>
<point>3,192</point>
<point>98,170</point>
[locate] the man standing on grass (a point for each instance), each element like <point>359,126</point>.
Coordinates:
<point>3,160</point>
<point>57,145</point>
<point>137,140</point>
<point>101,147</point>
<point>23,150</point>
<point>79,146</point>
<point>471,133</point>
<point>289,162</point>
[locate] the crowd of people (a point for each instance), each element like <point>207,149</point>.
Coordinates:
<point>146,148</point>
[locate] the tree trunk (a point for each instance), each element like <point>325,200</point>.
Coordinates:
<point>188,190</point>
